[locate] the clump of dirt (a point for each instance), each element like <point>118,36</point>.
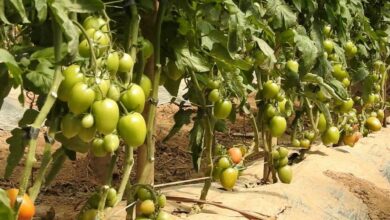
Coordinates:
<point>376,199</point>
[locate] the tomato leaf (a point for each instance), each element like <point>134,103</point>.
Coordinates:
<point>267,50</point>
<point>197,143</point>
<point>73,144</point>
<point>308,49</point>
<point>2,14</point>
<point>17,143</point>
<point>48,53</point>
<point>172,86</point>
<point>28,117</point>
<point>182,117</point>
<point>360,73</point>
<point>233,36</point>
<point>282,15</point>
<point>41,7</point>
<point>186,58</point>
<point>18,4</point>
<point>6,84</point>
<point>42,77</point>
<point>6,212</point>
<point>59,158</point>
<point>12,65</point>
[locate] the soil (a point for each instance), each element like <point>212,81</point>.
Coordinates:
<point>376,199</point>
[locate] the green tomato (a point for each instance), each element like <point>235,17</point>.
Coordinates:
<point>163,216</point>
<point>321,96</point>
<point>373,124</point>
<point>87,134</point>
<point>162,200</point>
<point>327,30</point>
<point>270,90</point>
<point>328,45</point>
<point>111,194</point>
<point>275,155</point>
<point>90,32</point>
<point>331,136</point>
<point>103,42</point>
<point>213,84</point>
<point>217,173</point>
<point>87,121</point>
<point>283,152</point>
<point>134,98</point>
<point>146,85</point>
<point>97,148</point>
<point>282,106</point>
<point>132,128</point>
<point>224,163</point>
<point>346,82</point>
<point>350,49</point>
<point>112,63</point>
<point>229,177</point>
<point>101,88</point>
<point>283,162</point>
<point>70,125</point>
<point>370,99</point>
<point>214,96</point>
<point>381,114</point>
<point>89,215</point>
<point>114,92</point>
<point>72,76</point>
<point>144,194</point>
<point>222,109</point>
<point>347,106</point>
<point>270,110</point>
<point>96,23</point>
<point>295,143</point>
<point>285,174</point>
<point>110,143</point>
<point>81,98</point>
<point>84,48</point>
<point>277,126</point>
<point>147,49</point>
<point>173,71</point>
<point>260,58</point>
<point>305,143</point>
<point>106,114</point>
<point>126,62</point>
<point>293,66</point>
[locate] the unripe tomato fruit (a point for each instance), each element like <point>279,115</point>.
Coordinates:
<point>283,152</point>
<point>327,29</point>
<point>81,98</point>
<point>96,23</point>
<point>275,154</point>
<point>114,92</point>
<point>213,84</point>
<point>163,216</point>
<point>144,194</point>
<point>321,126</point>
<point>27,208</point>
<point>296,143</point>
<point>132,128</point>
<point>84,48</point>
<point>305,143</point>
<point>70,125</point>
<point>328,45</point>
<point>338,72</point>
<point>222,109</point>
<point>112,63</point>
<point>97,148</point>
<point>111,194</point>
<point>214,96</point>
<point>110,143</point>
<point>235,154</point>
<point>283,162</point>
<point>162,200</point>
<point>346,82</point>
<point>277,126</point>
<point>373,124</point>
<point>101,88</point>
<point>331,136</point>
<point>134,98</point>
<point>270,110</point>
<point>350,49</point>
<point>229,177</point>
<point>106,114</point>
<point>173,71</point>
<point>126,62</point>
<point>147,207</point>
<point>146,85</point>
<point>147,48</point>
<point>293,66</point>
<point>346,106</point>
<point>89,214</point>
<point>380,114</point>
<point>87,121</point>
<point>285,174</point>
<point>270,89</point>
<point>223,163</point>
<point>86,135</point>
<point>72,76</point>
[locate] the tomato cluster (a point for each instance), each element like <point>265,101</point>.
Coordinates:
<point>150,204</point>
<point>280,162</point>
<point>227,167</point>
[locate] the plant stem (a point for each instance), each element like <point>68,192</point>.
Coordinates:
<point>49,102</point>
<point>129,162</point>
<point>132,38</point>
<point>107,185</point>
<point>147,169</point>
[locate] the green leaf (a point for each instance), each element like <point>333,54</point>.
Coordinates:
<point>60,12</point>
<point>6,86</point>
<point>18,4</point>
<point>187,59</point>
<point>267,50</point>
<point>233,43</point>
<point>82,6</point>
<point>282,15</point>
<point>172,86</point>
<point>41,7</point>
<point>48,53</point>
<point>6,212</point>
<point>197,143</point>
<point>182,117</point>
<point>221,54</point>
<point>338,88</point>
<point>59,158</point>
<point>28,117</point>
<point>12,65</point>
<point>73,144</point>
<point>3,18</point>
<point>42,77</point>
<point>17,143</point>
<point>360,73</point>
<point>298,4</point>
<point>308,49</point>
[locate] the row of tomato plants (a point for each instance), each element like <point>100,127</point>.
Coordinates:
<point>319,71</point>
